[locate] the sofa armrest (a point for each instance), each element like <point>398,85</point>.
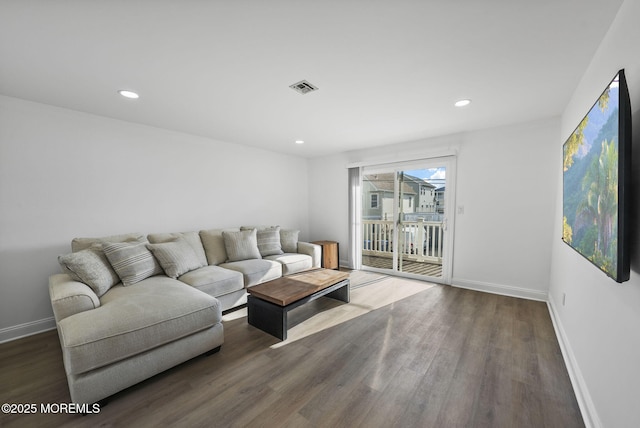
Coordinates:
<point>69,297</point>
<point>313,250</point>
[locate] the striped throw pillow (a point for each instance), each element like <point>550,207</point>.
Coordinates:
<point>133,262</point>
<point>269,241</point>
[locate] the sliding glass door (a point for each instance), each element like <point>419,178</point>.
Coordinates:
<point>406,221</point>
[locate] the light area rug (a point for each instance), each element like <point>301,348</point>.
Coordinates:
<point>360,278</point>
<point>307,319</point>
<point>324,313</point>
<point>357,279</point>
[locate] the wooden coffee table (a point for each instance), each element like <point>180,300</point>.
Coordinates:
<point>268,303</point>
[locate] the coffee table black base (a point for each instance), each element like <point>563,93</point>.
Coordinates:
<point>272,318</point>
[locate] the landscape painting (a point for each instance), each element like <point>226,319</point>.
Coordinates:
<point>590,181</point>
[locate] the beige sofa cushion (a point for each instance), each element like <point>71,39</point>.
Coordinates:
<point>214,280</point>
<point>241,245</point>
<point>292,263</point>
<point>256,271</point>
<point>135,319</point>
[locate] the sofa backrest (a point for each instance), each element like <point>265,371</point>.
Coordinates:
<point>208,244</point>
<point>79,244</point>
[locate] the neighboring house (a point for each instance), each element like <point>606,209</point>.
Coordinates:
<point>425,191</point>
<point>418,196</point>
<point>377,197</point>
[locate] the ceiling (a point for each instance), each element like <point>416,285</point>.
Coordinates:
<point>388,71</point>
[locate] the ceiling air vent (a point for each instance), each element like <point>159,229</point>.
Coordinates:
<point>303,87</point>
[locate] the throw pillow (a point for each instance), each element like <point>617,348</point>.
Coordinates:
<point>133,262</point>
<point>91,267</point>
<point>241,245</point>
<point>268,240</point>
<point>192,238</point>
<point>213,243</point>
<point>289,240</point>
<point>176,257</point>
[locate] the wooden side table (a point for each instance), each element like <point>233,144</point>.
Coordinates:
<point>330,254</point>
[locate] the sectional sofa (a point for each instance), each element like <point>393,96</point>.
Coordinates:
<point>130,306</point>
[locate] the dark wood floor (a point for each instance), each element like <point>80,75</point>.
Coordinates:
<point>442,357</point>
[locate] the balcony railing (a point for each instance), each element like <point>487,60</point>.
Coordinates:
<point>419,241</point>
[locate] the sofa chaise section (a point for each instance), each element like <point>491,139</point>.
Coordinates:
<point>130,333</point>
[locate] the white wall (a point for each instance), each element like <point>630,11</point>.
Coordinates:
<point>329,201</point>
<point>600,319</point>
<point>65,174</point>
<point>503,238</point>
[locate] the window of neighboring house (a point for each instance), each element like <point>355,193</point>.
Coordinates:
<point>374,200</point>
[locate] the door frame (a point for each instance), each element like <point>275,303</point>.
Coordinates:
<point>448,161</point>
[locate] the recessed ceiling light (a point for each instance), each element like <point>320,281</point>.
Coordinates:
<point>299,142</point>
<point>462,103</point>
<point>128,94</point>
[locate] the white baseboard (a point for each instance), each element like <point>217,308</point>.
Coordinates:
<point>588,409</point>
<point>27,329</point>
<point>505,290</point>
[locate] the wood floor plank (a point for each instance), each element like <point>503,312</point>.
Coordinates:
<point>389,407</point>
<point>402,353</point>
<point>493,408</point>
<point>432,392</point>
